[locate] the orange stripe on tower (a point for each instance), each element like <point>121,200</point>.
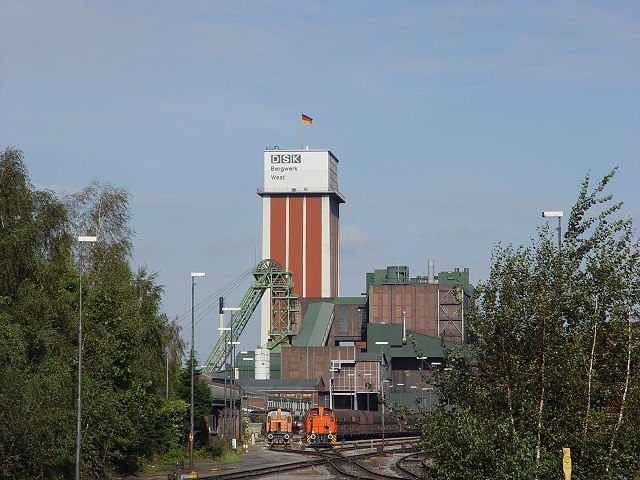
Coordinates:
<point>314,246</point>
<point>278,230</point>
<point>295,242</point>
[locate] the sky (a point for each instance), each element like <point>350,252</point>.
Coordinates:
<point>456,123</point>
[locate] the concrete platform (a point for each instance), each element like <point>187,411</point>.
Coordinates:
<point>258,455</point>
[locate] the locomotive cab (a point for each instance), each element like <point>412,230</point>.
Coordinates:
<point>320,427</point>
<point>279,426</point>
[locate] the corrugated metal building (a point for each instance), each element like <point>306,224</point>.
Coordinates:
<point>355,348</point>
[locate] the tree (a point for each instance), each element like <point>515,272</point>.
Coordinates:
<point>126,418</point>
<point>175,348</point>
<point>202,397</point>
<point>37,319</point>
<point>556,359</point>
<point>126,339</point>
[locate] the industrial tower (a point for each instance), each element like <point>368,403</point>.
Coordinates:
<point>300,222</point>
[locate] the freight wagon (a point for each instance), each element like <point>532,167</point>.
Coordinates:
<point>324,426</point>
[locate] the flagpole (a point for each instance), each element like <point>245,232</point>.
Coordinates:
<point>301,142</point>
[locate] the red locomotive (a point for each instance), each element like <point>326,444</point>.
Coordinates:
<point>324,426</point>
<point>320,427</point>
<point>279,426</point>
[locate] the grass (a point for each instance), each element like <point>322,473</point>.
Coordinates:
<point>228,457</point>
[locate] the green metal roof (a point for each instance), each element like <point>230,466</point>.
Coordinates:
<point>315,325</point>
<point>350,300</point>
<point>418,345</point>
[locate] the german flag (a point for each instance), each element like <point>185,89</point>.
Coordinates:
<point>306,120</point>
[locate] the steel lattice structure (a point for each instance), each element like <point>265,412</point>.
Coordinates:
<point>285,312</point>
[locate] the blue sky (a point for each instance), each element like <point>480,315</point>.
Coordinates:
<point>456,123</point>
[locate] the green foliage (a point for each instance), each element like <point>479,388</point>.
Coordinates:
<point>202,399</point>
<point>202,396</point>
<point>125,417</point>
<point>169,428</point>
<point>36,316</point>
<point>227,457</point>
<point>470,446</point>
<point>556,358</point>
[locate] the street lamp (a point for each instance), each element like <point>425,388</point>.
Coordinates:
<point>414,389</point>
<point>368,388</point>
<point>430,390</point>
<point>382,344</point>
<point>223,331</point>
<point>240,388</point>
<point>233,351</point>
<point>355,388</point>
<point>383,402</point>
<point>422,359</point>
<point>331,387</point>
<point>557,214</point>
<point>382,380</point>
<point>191,434</point>
<point>81,240</point>
<point>233,389</point>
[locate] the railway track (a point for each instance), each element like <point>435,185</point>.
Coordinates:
<point>412,464</point>
<point>341,462</point>
<point>348,467</point>
<point>267,471</point>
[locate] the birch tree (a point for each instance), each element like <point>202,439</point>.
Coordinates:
<point>556,356</point>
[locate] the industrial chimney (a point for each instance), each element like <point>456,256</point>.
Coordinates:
<point>431,278</point>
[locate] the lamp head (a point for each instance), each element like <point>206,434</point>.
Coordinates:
<point>556,213</point>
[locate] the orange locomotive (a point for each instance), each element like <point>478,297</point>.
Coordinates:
<point>320,427</point>
<point>279,425</point>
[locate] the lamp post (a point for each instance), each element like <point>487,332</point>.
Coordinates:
<point>331,388</point>
<point>422,359</point>
<point>368,388</point>
<point>422,377</point>
<point>233,352</point>
<point>81,240</point>
<point>233,387</point>
<point>557,214</point>
<point>414,389</point>
<point>193,314</point>
<point>223,331</point>
<point>355,384</point>
<point>382,380</point>
<point>355,380</point>
<point>242,360</point>
<point>383,402</point>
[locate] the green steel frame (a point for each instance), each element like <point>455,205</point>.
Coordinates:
<point>285,312</point>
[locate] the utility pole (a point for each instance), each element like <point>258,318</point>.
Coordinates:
<point>191,432</point>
